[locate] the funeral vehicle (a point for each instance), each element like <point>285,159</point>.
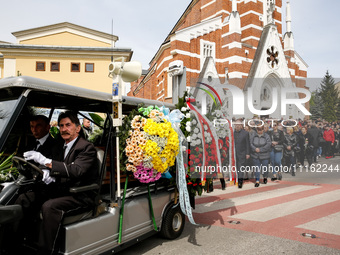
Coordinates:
<point>97,229</point>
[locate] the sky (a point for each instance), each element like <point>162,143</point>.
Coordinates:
<point>144,25</point>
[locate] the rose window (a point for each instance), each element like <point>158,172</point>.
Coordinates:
<point>272,57</point>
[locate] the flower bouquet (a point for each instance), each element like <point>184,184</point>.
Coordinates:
<point>151,146</point>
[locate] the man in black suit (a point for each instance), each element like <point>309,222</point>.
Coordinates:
<point>242,149</point>
<point>43,141</point>
<point>307,146</point>
<point>73,164</point>
<point>316,134</point>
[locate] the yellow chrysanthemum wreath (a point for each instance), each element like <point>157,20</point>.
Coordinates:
<point>152,145</point>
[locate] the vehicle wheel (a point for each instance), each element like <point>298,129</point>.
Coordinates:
<point>173,223</point>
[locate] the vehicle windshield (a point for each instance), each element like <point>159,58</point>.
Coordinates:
<point>7,107</point>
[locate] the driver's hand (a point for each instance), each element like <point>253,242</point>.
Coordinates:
<point>46,177</point>
<point>37,157</point>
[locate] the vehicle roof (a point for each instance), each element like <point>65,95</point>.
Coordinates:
<point>53,94</point>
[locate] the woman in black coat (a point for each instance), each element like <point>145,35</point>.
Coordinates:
<point>260,145</point>
<point>277,138</point>
<point>290,146</point>
<point>307,147</point>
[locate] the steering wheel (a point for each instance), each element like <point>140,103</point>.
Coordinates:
<point>25,165</point>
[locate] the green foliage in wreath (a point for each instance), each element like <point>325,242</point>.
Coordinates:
<point>7,171</point>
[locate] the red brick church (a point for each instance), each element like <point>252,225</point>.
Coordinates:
<point>228,40</point>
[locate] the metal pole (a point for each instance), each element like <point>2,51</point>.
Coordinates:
<point>118,167</point>
<point>117,122</point>
<point>121,213</point>
<point>112,175</point>
<point>117,70</point>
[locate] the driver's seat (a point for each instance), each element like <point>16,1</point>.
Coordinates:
<point>86,213</point>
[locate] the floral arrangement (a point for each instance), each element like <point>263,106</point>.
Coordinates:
<point>223,138</point>
<point>193,152</point>
<point>151,144</point>
<point>202,133</point>
<point>224,134</point>
<point>202,137</point>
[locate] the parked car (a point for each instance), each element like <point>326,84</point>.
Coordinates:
<point>96,230</point>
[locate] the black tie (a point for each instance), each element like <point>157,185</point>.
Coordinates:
<point>37,143</point>
<point>64,149</point>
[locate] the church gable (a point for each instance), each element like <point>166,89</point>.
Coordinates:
<point>208,71</point>
<point>269,57</point>
<point>209,76</point>
<point>270,70</point>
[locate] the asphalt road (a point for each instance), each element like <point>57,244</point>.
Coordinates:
<point>272,218</point>
<point>324,171</point>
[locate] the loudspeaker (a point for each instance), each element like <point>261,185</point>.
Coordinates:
<point>129,71</point>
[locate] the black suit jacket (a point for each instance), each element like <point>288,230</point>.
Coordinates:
<point>242,146</point>
<point>316,134</point>
<point>45,149</point>
<point>78,168</point>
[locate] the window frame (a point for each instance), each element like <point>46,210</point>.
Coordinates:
<point>54,62</point>
<point>86,68</point>
<point>40,62</point>
<point>207,49</point>
<point>75,63</point>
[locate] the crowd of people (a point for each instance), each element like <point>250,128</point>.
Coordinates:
<point>273,147</point>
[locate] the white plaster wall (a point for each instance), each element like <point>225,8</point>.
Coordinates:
<point>9,67</point>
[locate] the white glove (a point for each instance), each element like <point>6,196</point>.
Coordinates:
<point>37,157</point>
<point>46,177</point>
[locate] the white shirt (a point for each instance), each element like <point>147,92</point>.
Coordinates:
<point>42,140</point>
<point>69,146</point>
